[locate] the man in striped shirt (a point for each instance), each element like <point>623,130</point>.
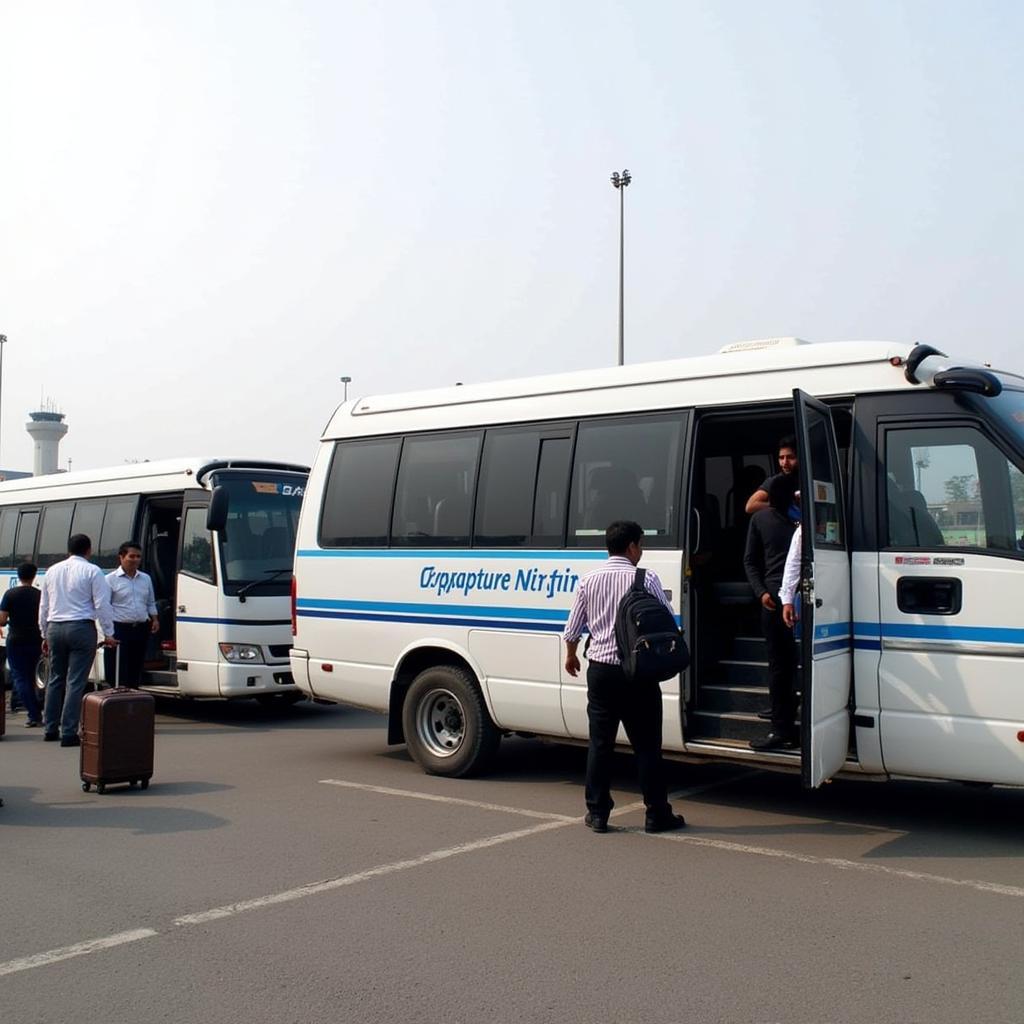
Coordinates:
<point>611,697</point>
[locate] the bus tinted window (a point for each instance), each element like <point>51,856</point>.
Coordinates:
<point>89,519</point>
<point>117,528</point>
<point>25,541</point>
<point>8,528</point>
<point>53,537</point>
<point>508,471</point>
<point>552,491</point>
<point>357,499</point>
<point>626,469</point>
<point>196,549</point>
<point>434,496</point>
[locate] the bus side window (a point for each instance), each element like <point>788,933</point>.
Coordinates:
<point>950,485</point>
<point>196,549</point>
<point>25,542</point>
<point>8,528</point>
<point>53,537</point>
<point>357,499</point>
<point>434,496</point>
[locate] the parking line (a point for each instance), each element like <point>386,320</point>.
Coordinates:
<point>53,956</point>
<point>842,864</point>
<point>314,888</point>
<point>418,795</point>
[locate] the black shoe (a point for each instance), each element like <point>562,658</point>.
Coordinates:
<point>664,823</point>
<point>32,724</point>
<point>775,741</point>
<point>596,822</point>
<point>765,714</point>
<point>70,741</point>
<point>50,737</point>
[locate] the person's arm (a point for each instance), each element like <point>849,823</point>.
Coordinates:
<point>4,616</point>
<point>101,603</point>
<point>757,501</point>
<point>791,577</point>
<point>574,630</point>
<point>154,619</point>
<point>44,608</point>
<point>654,587</point>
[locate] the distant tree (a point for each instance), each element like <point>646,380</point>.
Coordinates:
<point>961,488</point>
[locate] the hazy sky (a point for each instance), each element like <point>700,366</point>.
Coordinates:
<point>209,211</point>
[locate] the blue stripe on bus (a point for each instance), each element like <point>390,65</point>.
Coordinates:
<point>523,554</point>
<point>827,646</point>
<point>557,614</point>
<point>546,627</point>
<point>233,622</point>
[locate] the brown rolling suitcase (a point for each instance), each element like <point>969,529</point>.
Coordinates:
<point>117,736</point>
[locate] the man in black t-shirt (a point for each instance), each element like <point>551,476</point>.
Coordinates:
<point>788,465</point>
<point>19,612</point>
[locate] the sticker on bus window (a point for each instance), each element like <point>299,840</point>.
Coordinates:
<point>287,490</point>
<point>824,492</point>
<point>831,533</point>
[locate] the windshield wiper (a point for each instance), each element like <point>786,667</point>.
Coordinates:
<point>272,575</point>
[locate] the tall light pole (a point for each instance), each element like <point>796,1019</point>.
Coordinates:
<point>620,181</point>
<point>3,341</point>
<point>346,381</point>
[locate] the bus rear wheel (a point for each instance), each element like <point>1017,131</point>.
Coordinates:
<point>447,728</point>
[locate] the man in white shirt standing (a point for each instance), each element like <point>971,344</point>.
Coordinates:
<point>75,593</point>
<point>611,697</point>
<point>133,605</point>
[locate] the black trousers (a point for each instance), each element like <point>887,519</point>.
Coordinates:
<point>781,668</point>
<point>611,699</point>
<point>132,638</point>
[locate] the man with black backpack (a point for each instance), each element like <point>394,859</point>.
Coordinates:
<point>634,644</point>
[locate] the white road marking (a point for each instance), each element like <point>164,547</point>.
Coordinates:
<point>314,888</point>
<point>838,862</point>
<point>418,795</point>
<point>52,956</point>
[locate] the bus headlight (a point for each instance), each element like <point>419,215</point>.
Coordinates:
<point>245,653</point>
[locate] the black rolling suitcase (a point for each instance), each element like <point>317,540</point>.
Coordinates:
<point>118,727</point>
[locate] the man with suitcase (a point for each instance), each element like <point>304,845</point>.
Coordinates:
<point>75,594</point>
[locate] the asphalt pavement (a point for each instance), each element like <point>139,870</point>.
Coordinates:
<point>286,865</point>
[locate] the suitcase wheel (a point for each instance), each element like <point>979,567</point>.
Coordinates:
<point>100,788</point>
<point>132,783</point>
<point>86,786</point>
<point>145,783</point>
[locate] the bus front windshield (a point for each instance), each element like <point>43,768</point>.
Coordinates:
<point>257,544</point>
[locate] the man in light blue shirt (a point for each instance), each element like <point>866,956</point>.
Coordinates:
<point>75,594</point>
<point>135,618</point>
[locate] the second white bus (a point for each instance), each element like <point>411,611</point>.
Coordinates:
<point>218,540</point>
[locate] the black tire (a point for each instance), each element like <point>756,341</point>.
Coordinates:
<point>447,728</point>
<point>145,784</point>
<point>101,788</point>
<point>86,786</point>
<point>42,674</point>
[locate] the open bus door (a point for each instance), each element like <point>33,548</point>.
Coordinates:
<point>826,636</point>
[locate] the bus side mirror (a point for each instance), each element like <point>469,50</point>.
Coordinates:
<point>217,513</point>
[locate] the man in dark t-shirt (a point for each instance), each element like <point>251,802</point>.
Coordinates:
<point>19,612</point>
<point>788,465</point>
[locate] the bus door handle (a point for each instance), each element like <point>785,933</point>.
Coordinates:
<point>929,595</point>
<point>696,544</point>
<point>182,608</point>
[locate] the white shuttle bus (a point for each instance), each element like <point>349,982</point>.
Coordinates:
<point>443,534</point>
<point>218,540</point>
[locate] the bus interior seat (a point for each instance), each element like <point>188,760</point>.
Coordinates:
<point>451,516</point>
<point>910,522</point>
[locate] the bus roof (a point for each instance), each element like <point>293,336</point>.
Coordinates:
<point>161,475</point>
<point>763,370</point>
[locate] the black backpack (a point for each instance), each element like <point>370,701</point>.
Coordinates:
<point>650,644</point>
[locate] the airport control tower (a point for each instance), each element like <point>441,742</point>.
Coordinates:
<point>46,428</point>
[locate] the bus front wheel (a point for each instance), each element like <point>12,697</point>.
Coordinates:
<point>447,727</point>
